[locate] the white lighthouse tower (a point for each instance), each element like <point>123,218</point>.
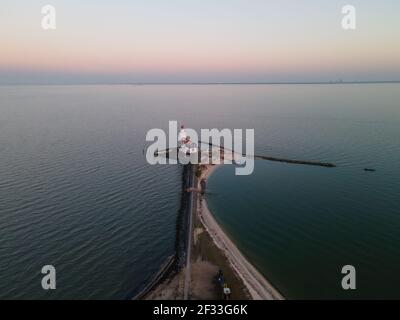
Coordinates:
<point>185,144</point>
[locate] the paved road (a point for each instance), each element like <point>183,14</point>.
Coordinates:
<point>190,209</point>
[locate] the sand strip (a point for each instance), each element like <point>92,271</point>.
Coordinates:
<point>257,285</point>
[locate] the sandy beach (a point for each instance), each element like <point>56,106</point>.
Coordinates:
<point>258,286</point>
<point>212,250</point>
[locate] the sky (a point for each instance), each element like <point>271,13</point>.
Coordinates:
<point>198,41</point>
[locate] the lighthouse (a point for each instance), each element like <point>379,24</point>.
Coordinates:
<point>186,145</point>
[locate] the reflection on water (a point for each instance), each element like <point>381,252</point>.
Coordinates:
<point>76,191</point>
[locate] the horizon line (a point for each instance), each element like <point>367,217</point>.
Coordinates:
<point>204,83</point>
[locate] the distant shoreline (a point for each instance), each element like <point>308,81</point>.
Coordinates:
<point>203,83</point>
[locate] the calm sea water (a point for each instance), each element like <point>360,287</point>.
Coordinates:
<point>76,192</point>
<point>300,225</point>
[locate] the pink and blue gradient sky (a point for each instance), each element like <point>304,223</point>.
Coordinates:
<point>118,41</point>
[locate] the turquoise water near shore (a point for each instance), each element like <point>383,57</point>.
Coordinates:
<point>76,191</point>
<point>300,225</point>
